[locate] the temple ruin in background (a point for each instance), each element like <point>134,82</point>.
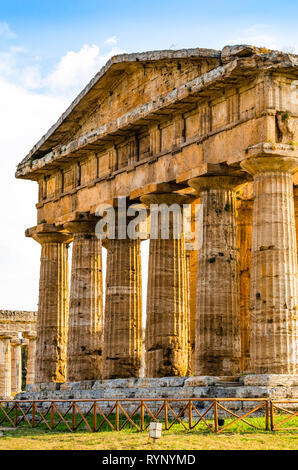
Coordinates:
<point>17,350</point>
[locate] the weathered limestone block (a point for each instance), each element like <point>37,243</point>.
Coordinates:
<point>122,345</point>
<point>200,381</point>
<point>218,334</point>
<point>5,365</point>
<point>273,291</point>
<point>16,366</point>
<point>167,326</point>
<point>31,352</point>
<point>273,380</point>
<point>50,359</point>
<point>244,222</point>
<point>84,347</point>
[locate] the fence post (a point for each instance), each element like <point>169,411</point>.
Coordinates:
<point>267,415</point>
<point>94,417</point>
<point>73,420</point>
<point>16,414</point>
<point>215,416</point>
<point>271,415</point>
<point>190,414</point>
<point>52,415</point>
<point>33,413</point>
<point>166,414</point>
<point>142,415</point>
<point>117,416</point>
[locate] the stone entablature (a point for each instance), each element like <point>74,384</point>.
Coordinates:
<point>197,122</point>
<point>220,127</point>
<point>18,320</point>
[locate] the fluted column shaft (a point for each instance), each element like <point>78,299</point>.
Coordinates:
<point>31,352</point>
<point>167,325</point>
<point>218,335</point>
<point>122,346</point>
<point>16,367</point>
<point>244,244</point>
<point>84,349</point>
<point>50,359</point>
<point>273,299</point>
<point>192,268</point>
<point>5,366</point>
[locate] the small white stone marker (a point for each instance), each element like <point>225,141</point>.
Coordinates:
<point>155,430</point>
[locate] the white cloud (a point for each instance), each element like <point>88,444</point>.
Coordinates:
<point>256,35</point>
<point>24,117</point>
<point>75,69</point>
<point>111,40</point>
<point>31,101</point>
<point>6,32</point>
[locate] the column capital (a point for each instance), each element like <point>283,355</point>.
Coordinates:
<point>16,341</point>
<point>78,222</point>
<point>29,334</point>
<point>270,163</point>
<point>166,198</point>
<point>48,233</point>
<point>83,226</point>
<point>6,335</point>
<point>225,182</point>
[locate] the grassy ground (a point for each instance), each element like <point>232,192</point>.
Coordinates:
<point>239,436</point>
<point>23,439</point>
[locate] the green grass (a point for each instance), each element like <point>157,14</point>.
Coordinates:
<point>38,439</point>
<point>237,436</point>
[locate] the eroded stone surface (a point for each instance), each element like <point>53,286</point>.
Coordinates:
<point>50,359</point>
<point>244,222</point>
<point>167,325</point>
<point>218,337</point>
<point>273,294</point>
<point>250,386</point>
<point>122,345</point>
<point>84,347</point>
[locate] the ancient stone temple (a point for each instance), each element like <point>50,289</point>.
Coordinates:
<point>195,127</point>
<point>17,335</point>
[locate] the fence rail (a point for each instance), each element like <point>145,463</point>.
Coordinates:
<point>210,414</point>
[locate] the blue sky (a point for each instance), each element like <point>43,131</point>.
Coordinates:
<point>49,50</point>
<point>50,28</point>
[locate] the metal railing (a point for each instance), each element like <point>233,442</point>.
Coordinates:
<point>205,414</point>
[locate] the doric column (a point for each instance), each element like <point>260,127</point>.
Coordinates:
<point>50,359</point>
<point>31,352</point>
<point>84,347</point>
<point>167,323</point>
<point>218,336</point>
<point>244,222</point>
<point>273,291</point>
<point>122,346</point>
<point>5,365</point>
<point>192,268</point>
<point>16,365</point>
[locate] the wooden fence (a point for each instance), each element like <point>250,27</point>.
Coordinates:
<point>206,414</point>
